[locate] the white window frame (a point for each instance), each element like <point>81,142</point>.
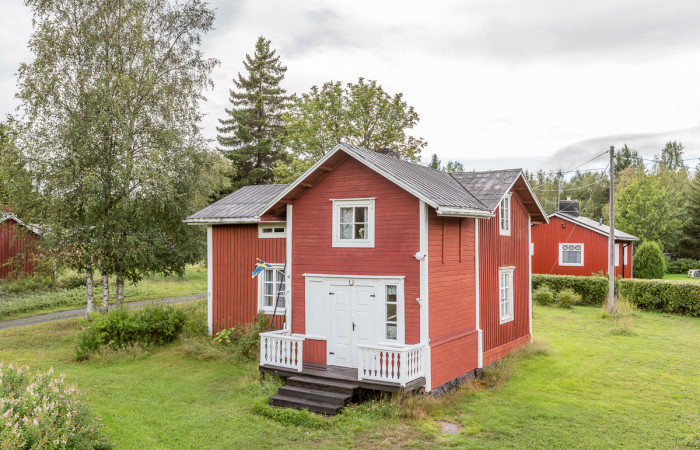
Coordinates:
<point>624,254</point>
<point>617,255</point>
<point>504,213</point>
<point>271,230</point>
<point>509,316</point>
<point>353,202</point>
<point>561,253</point>
<point>261,290</point>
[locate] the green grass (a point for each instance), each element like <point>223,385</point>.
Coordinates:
<point>680,277</point>
<point>593,389</point>
<point>14,306</point>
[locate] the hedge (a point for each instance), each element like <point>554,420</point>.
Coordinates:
<point>680,297</point>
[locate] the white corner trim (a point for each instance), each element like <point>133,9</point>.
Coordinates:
<point>480,333</point>
<point>424,292</point>
<point>529,271</point>
<point>210,280</point>
<point>288,279</point>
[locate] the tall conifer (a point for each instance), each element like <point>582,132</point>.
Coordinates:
<point>250,135</point>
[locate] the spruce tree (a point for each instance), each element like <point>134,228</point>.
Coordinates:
<point>690,242</point>
<point>250,135</point>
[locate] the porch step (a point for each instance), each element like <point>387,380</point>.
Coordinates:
<point>300,403</point>
<point>321,384</point>
<point>316,395</point>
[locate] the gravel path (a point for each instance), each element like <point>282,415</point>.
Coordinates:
<point>73,313</point>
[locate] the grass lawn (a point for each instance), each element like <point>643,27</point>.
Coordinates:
<point>680,277</point>
<point>594,389</point>
<point>156,286</point>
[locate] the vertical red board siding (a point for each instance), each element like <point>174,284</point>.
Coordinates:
<point>397,231</point>
<point>235,292</point>
<point>452,294</point>
<point>315,351</point>
<point>547,237</point>
<point>17,243</point>
<point>503,251</point>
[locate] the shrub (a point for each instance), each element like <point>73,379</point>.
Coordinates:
<point>566,298</point>
<point>683,265</point>
<point>245,338</point>
<point>152,325</point>
<point>40,411</point>
<point>593,290</point>
<point>38,282</point>
<point>72,280</point>
<point>681,297</point>
<point>543,295</point>
<point>649,261</point>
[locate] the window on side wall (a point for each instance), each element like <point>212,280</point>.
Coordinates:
<point>392,312</point>
<point>271,284</point>
<point>271,230</point>
<point>571,254</point>
<point>617,255</point>
<point>353,223</point>
<point>504,215</point>
<point>505,289</point>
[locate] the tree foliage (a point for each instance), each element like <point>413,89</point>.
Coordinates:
<point>451,166</point>
<point>690,242</point>
<point>361,113</point>
<point>649,262</point>
<point>251,134</point>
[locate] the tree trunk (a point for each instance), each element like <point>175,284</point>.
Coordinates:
<point>88,284</point>
<point>105,290</point>
<point>120,289</point>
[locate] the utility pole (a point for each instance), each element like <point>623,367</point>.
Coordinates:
<point>611,239</point>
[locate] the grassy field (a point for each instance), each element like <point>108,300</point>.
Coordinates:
<point>594,387</point>
<point>14,306</point>
<point>680,277</point>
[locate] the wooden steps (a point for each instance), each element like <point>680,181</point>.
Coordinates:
<point>320,395</point>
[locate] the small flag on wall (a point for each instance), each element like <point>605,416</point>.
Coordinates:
<point>259,267</point>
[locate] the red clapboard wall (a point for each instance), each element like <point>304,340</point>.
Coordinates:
<point>547,237</point>
<point>452,293</point>
<point>502,251</point>
<point>17,245</point>
<point>396,238</point>
<point>235,252</point>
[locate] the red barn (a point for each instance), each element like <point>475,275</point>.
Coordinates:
<point>17,246</point>
<point>383,274</point>
<point>573,245</point>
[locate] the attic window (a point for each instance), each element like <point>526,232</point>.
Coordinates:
<point>353,223</point>
<point>504,216</point>
<point>271,230</point>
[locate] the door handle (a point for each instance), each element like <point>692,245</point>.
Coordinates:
<point>353,326</point>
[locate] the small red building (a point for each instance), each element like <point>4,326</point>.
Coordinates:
<point>17,246</point>
<point>392,272</point>
<point>573,245</point>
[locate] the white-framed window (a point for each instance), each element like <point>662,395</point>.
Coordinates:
<point>624,254</point>
<point>271,282</point>
<point>272,230</point>
<point>505,290</point>
<point>571,254</point>
<point>504,215</point>
<point>392,312</point>
<point>353,222</point>
<point>617,255</point>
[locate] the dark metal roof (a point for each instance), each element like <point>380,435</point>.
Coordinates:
<point>245,204</point>
<point>595,226</point>
<point>489,186</point>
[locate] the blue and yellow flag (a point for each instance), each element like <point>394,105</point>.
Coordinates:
<point>260,266</point>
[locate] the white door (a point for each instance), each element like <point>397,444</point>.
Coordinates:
<point>352,322</point>
<point>363,324</point>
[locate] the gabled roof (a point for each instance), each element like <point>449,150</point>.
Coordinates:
<point>8,215</point>
<point>595,226</point>
<point>489,186</point>
<point>243,206</point>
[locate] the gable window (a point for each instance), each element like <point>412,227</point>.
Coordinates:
<point>353,223</point>
<point>571,254</point>
<point>271,230</point>
<point>504,216</point>
<point>505,289</point>
<point>392,313</point>
<point>270,284</point>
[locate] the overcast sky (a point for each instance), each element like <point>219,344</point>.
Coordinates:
<point>497,83</point>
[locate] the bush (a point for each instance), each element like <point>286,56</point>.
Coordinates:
<point>72,280</point>
<point>681,297</point>
<point>683,265</point>
<point>649,261</point>
<point>39,282</point>
<point>543,295</point>
<point>567,298</point>
<point>40,411</point>
<point>245,338</point>
<point>593,290</point>
<point>152,325</point>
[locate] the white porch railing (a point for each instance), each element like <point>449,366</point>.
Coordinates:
<point>391,364</point>
<point>280,348</point>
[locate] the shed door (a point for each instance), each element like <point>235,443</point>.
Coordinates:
<point>352,320</point>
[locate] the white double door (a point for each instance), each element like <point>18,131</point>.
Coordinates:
<point>354,305</point>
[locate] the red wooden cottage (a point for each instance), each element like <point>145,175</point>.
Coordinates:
<point>17,246</point>
<point>573,245</point>
<point>390,275</point>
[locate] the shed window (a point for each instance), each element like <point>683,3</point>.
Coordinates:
<point>270,284</point>
<point>353,223</point>
<point>571,254</point>
<point>505,285</point>
<point>504,215</point>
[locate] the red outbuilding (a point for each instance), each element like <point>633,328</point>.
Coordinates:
<point>17,246</point>
<point>573,245</point>
<point>381,273</point>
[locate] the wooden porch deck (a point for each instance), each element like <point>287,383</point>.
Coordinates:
<point>343,374</point>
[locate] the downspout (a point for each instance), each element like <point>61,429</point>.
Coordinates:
<point>480,337</point>
<point>529,260</point>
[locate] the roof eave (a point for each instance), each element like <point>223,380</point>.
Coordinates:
<point>451,211</point>
<point>532,193</point>
<point>222,220</point>
<point>604,233</point>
